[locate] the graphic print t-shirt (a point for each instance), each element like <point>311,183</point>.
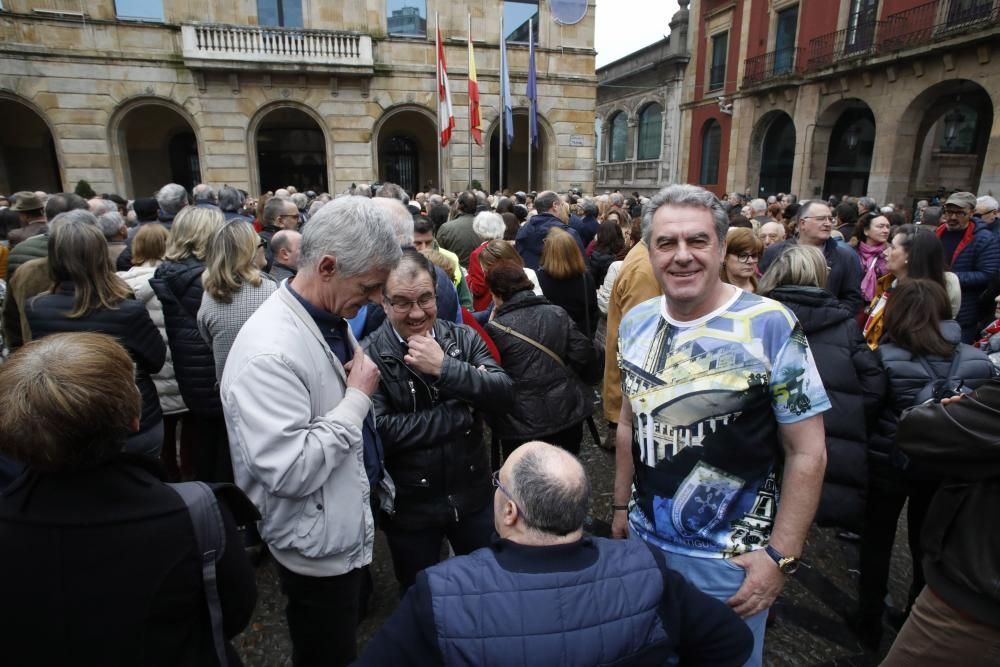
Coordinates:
<point>707,397</point>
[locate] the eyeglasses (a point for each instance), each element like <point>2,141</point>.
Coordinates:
<point>498,485</point>
<point>262,244</point>
<point>948,212</point>
<point>820,218</point>
<point>747,258</point>
<point>403,306</point>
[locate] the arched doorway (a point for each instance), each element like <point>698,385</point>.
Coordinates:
<point>157,145</point>
<point>291,150</point>
<point>407,150</point>
<point>777,156</point>
<point>952,138</point>
<point>28,159</point>
<point>515,158</point>
<point>849,158</point>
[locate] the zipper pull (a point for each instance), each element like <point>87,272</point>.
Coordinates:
<point>413,394</point>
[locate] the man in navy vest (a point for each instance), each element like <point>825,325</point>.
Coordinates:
<point>546,594</point>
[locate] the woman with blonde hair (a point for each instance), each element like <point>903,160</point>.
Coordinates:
<point>87,295</point>
<point>566,282</point>
<point>148,247</point>
<point>743,250</point>
<point>234,287</point>
<point>851,374</point>
<point>177,283</point>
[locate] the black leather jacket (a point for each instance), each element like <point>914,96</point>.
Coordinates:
<point>961,545</point>
<point>432,429</point>
<point>178,287</point>
<point>550,397</point>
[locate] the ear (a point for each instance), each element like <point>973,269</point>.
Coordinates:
<point>327,266</point>
<point>134,425</point>
<point>510,513</point>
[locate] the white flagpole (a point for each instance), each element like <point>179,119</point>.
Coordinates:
<point>502,137</point>
<point>470,112</point>
<point>531,102</point>
<point>437,87</point>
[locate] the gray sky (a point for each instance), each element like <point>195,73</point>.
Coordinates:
<point>624,26</point>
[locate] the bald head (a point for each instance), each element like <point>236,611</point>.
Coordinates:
<point>550,495</point>
<point>771,232</point>
<point>285,246</point>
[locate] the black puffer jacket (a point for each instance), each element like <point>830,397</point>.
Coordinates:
<point>178,287</point>
<point>129,323</point>
<point>549,397</point>
<point>854,381</point>
<point>432,429</point>
<point>906,377</point>
<point>599,263</point>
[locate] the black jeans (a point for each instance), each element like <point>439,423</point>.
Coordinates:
<point>888,491</point>
<point>322,615</point>
<point>210,443</point>
<point>415,550</point>
<point>568,438</point>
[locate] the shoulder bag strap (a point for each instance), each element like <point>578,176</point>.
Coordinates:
<point>529,341</point>
<point>210,535</point>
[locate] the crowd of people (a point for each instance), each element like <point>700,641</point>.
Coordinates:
<point>428,366</point>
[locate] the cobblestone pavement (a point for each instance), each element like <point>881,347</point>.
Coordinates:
<point>808,627</point>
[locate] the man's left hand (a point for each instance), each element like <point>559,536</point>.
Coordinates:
<point>762,585</point>
<point>425,355</point>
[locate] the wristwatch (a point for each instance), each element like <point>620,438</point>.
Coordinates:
<point>787,564</point>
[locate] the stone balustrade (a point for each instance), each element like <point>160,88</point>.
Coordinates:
<point>233,46</point>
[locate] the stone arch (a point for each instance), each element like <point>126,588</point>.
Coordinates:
<point>931,166</point>
<point>769,147</point>
<point>829,168</point>
<point>152,162</point>
<point>544,171</point>
<point>393,123</point>
<point>324,172</point>
<point>30,156</point>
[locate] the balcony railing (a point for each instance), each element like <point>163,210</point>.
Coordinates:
<point>289,46</point>
<point>850,43</point>
<point>772,65</point>
<point>934,20</point>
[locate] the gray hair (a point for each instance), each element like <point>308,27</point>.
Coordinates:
<point>274,207</point>
<point>315,206</point>
<point>488,225</point>
<point>986,203</point>
<point>111,224</point>
<point>399,217</point>
<point>355,231</point>
<point>204,194</point>
<point>589,207</point>
<point>805,206</point>
<point>76,215</point>
<point>758,206</point>
<point>545,201</point>
<point>99,206</point>
<point>617,199</point>
<point>393,191</point>
<point>553,500</point>
<point>300,200</point>
<point>230,199</point>
<point>171,198</point>
<point>869,203</point>
<point>685,195</point>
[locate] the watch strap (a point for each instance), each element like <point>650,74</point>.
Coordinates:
<point>775,555</point>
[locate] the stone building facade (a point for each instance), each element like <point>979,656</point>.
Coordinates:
<point>638,114</point>
<point>893,98</point>
<point>322,97</point>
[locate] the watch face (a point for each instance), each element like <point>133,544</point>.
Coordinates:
<point>789,565</point>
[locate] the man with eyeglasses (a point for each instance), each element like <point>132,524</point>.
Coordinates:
<point>986,213</point>
<point>278,214</point>
<point>545,593</point>
<point>971,252</point>
<point>814,224</point>
<point>438,380</point>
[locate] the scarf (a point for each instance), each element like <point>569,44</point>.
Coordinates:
<point>874,264</point>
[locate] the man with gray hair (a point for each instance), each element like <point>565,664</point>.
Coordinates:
<point>301,428</point>
<point>204,195</point>
<point>716,382</point>
<point>171,198</point>
<point>758,211</point>
<point>545,593</point>
<point>586,225</point>
<point>986,212</point>
<point>231,202</point>
<point>115,232</point>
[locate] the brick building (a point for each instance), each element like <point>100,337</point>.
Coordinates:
<point>258,94</point>
<point>893,98</point>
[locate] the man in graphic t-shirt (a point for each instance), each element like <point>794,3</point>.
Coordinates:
<point>720,443</point>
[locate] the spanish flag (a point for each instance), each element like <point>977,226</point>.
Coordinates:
<point>474,119</point>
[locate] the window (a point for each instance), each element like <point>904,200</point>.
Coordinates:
<point>516,15</point>
<point>619,138</point>
<point>139,10</point>
<point>717,72</point>
<point>711,147</point>
<point>407,18</point>
<point>280,13</point>
<point>784,41</point>
<point>650,132</point>
<point>861,25</point>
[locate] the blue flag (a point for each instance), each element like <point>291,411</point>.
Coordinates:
<point>508,111</point>
<point>532,91</point>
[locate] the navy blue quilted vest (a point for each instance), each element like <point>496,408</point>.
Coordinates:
<point>604,614</point>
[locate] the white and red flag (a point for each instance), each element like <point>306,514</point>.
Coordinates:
<point>446,115</point>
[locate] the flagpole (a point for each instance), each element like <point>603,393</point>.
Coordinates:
<point>531,101</point>
<point>437,87</point>
<point>470,109</point>
<point>502,137</point>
